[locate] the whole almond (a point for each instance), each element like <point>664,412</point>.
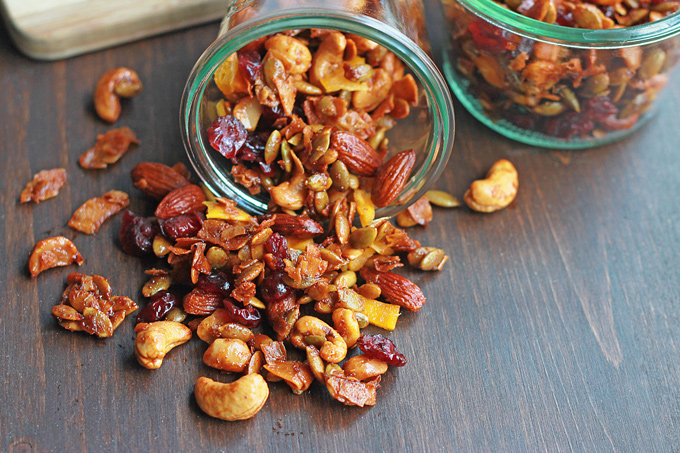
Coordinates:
<point>182,200</point>
<point>296,226</point>
<point>157,180</point>
<point>201,303</point>
<point>396,289</point>
<point>359,157</point>
<point>392,178</point>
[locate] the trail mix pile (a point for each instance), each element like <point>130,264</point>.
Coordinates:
<point>304,117</point>
<point>559,91</point>
<point>315,287</point>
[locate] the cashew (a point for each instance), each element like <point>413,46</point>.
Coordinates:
<point>362,367</point>
<point>495,192</point>
<point>294,55</point>
<point>209,329</point>
<point>227,354</point>
<point>156,339</point>
<point>114,84</point>
<point>310,330</point>
<point>328,57</point>
<point>378,89</point>
<point>239,400</point>
<point>345,322</point>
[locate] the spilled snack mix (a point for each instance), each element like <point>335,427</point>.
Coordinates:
<point>243,277</point>
<point>304,118</point>
<point>561,91</point>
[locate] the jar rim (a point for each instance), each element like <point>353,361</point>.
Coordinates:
<point>527,27</point>
<point>441,104</point>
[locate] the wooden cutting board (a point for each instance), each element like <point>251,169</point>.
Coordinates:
<point>54,29</point>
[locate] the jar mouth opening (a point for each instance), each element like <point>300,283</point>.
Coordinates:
<point>514,22</point>
<point>432,82</point>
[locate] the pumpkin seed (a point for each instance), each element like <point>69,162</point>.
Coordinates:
<point>652,64</point>
<point>362,237</point>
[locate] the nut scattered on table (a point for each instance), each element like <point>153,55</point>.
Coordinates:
<point>112,85</point>
<point>45,185</point>
<point>53,252</point>
<point>495,192</point>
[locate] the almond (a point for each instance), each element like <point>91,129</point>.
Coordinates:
<point>359,157</point>
<point>296,226</point>
<point>396,289</point>
<point>392,178</point>
<point>157,180</point>
<point>202,303</point>
<point>182,200</point>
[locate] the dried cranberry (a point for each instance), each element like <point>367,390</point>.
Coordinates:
<point>181,226</point>
<point>159,305</point>
<point>487,37</point>
<point>249,64</point>
<point>569,125</point>
<point>273,289</point>
<point>227,135</point>
<point>271,114</point>
<point>600,107</point>
<point>253,148</point>
<point>277,245</point>
<point>564,18</point>
<point>215,282</point>
<point>521,120</point>
<point>247,316</point>
<point>381,348</point>
<point>137,233</point>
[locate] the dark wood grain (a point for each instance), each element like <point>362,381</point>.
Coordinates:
<point>555,325</point>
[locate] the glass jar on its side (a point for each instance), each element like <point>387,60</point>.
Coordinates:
<point>556,86</point>
<point>396,25</point>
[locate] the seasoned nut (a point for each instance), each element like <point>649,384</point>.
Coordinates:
<point>95,211</point>
<point>209,329</point>
<point>392,178</point>
<point>45,185</point>
<point>316,363</point>
<point>157,180</point>
<point>297,375</point>
<point>427,258</point>
<point>362,367</point>
<point>346,324</point>
<point>156,339</point>
<point>155,284</point>
<point>228,354</point>
<point>396,289</point>
<point>309,329</point>
<point>495,192</point>
<point>53,252</point>
<point>294,55</point>
<point>183,200</point>
<point>116,83</point>
<point>350,391</point>
<point>442,199</point>
<point>239,400</point>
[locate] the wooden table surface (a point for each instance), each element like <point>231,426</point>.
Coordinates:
<point>555,325</point>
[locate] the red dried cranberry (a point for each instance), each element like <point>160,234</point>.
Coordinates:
<point>569,125</point>
<point>277,245</point>
<point>600,107</point>
<point>273,289</point>
<point>215,282</point>
<point>247,316</point>
<point>271,114</point>
<point>487,37</point>
<point>181,226</point>
<point>227,135</point>
<point>249,64</point>
<point>381,348</point>
<point>137,233</point>
<point>253,148</point>
<point>159,305</point>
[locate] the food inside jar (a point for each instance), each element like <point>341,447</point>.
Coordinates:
<point>563,92</point>
<point>303,116</point>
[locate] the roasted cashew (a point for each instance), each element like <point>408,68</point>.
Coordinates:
<point>156,339</point>
<point>239,400</point>
<point>294,55</point>
<point>227,354</point>
<point>362,367</point>
<point>495,192</point>
<point>328,57</point>
<point>346,324</point>
<point>114,84</point>
<point>310,330</point>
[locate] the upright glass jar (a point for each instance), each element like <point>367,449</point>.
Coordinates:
<point>396,25</point>
<point>557,77</point>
